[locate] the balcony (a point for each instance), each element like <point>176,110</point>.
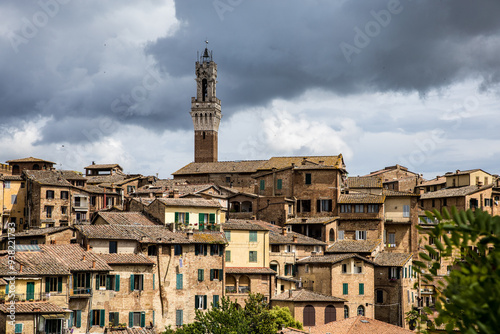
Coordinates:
<point>21,297</point>
<point>80,293</point>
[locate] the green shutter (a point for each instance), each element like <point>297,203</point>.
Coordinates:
<point>74,281</point>
<point>47,284</point>
<point>91,317</point>
<point>141,282</point>
<point>279,184</point>
<point>87,281</point>
<point>178,317</point>
<point>253,236</point>
<point>204,250</point>
<point>215,302</point>
<point>361,288</point>
<point>196,302</point>
<point>101,318</point>
<point>228,235</point>
<point>204,302</point>
<point>211,250</point>
<point>286,270</point>
<point>97,281</point>
<point>153,281</point>
<point>308,178</point>
<point>201,274</point>
<point>108,282</point>
<point>228,256</point>
<point>176,219</point>
<point>196,252</point>
<point>131,282</point>
<point>186,218</point>
<point>201,221</point>
<point>153,318</point>
<point>59,284</point>
<point>221,250</point>
<point>7,288</point>
<point>143,319</point>
<point>345,288</point>
<point>294,269</point>
<point>117,283</point>
<point>71,320</point>
<point>398,270</point>
<point>179,281</point>
<point>211,274</point>
<point>131,319</point>
<point>220,275</point>
<point>78,318</point>
<point>211,218</point>
<point>406,272</point>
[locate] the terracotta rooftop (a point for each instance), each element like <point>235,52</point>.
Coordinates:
<point>221,167</point>
<point>353,246</point>
<point>41,231</point>
<point>30,307</point>
<point>465,172</point>
<point>359,325</point>
<point>96,179</point>
<point>11,178</point>
<point>303,295</point>
<point>192,202</point>
<point>454,192</point>
<point>103,166</point>
<point>133,330</point>
<point>125,258</point>
<point>364,182</point>
<point>393,193</point>
<point>282,162</point>
<point>314,220</point>
<point>250,270</point>
<point>125,218</point>
<point>388,169</point>
<point>436,181</point>
<point>361,198</point>
<point>30,159</point>
<point>47,177</point>
<point>392,259</point>
<point>243,224</point>
<point>332,258</point>
<point>277,238</point>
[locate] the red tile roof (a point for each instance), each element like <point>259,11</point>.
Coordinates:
<point>250,270</point>
<point>304,295</point>
<point>125,259</point>
<point>29,307</point>
<point>30,159</point>
<point>359,325</point>
<point>125,218</point>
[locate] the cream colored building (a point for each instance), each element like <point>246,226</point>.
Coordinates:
<point>12,201</point>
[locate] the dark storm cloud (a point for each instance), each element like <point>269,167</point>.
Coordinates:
<point>264,49</point>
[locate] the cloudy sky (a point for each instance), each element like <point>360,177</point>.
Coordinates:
<point>382,82</point>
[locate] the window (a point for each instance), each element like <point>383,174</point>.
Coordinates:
<point>18,328</point>
<point>392,240</point>
<point>309,316</point>
<point>182,217</point>
<point>330,314</point>
<point>179,282</point>
<point>136,282</point>
<point>360,235</point>
<point>177,250</point>
<point>200,249</point>
<point>308,178</point>
<point>289,269</point>
<point>341,235</point>
<point>372,208</point>
<point>346,312</point>
<point>152,250</point>
<point>49,194</point>
<point>361,310</point>
<point>358,268</point>
<point>228,235</point>
<point>324,205</point>
<point>93,200</point>
<point>253,236</point>
<point>216,249</point>
<point>252,256</point>
<point>488,202</point>
<point>228,256</point>
<point>361,288</point>
<point>76,316</point>
<point>97,318</point>
<point>275,248</point>
<point>445,202</point>
<point>53,284</point>
<point>48,211</point>
<point>262,185</point>
<point>345,208</point>
<point>112,282</point>
<point>359,208</point>
<point>178,317</point>
<point>130,189</point>
<point>431,240</point>
<point>201,275</point>
<point>216,274</point>
<point>379,296</point>
<point>137,319</point>
<point>113,247</point>
<point>200,302</point>
<point>279,184</point>
<point>433,203</point>
<point>290,249</point>
<point>13,199</point>
<point>406,211</point>
<point>344,268</point>
<point>64,195</point>
<point>393,273</point>
<point>306,269</point>
<point>114,318</point>
<point>215,301</point>
<point>64,210</point>
<point>345,288</point>
<point>304,205</point>
<point>6,184</point>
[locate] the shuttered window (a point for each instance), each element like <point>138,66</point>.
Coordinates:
<point>345,288</point>
<point>309,316</point>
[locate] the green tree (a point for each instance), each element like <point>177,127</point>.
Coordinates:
<point>229,318</point>
<point>470,301</point>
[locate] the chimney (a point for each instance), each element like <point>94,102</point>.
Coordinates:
<point>290,293</point>
<point>458,171</point>
<point>189,234</point>
<point>294,238</point>
<point>83,257</point>
<point>93,264</point>
<point>293,164</point>
<point>304,160</point>
<point>93,162</point>
<point>88,248</point>
<point>283,230</point>
<point>20,267</point>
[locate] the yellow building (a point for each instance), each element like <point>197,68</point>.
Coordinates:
<point>471,177</point>
<point>187,213</point>
<point>12,201</point>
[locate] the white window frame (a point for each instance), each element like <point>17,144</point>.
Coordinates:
<point>360,235</point>
<point>340,235</point>
<point>406,211</point>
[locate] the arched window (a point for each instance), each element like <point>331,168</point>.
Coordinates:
<point>246,206</point>
<point>346,312</point>
<point>309,316</point>
<point>204,88</point>
<point>36,167</point>
<point>361,310</point>
<point>332,235</point>
<point>330,314</point>
<point>274,265</point>
<point>244,285</point>
<point>230,284</point>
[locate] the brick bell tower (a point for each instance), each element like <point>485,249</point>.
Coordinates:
<point>206,110</point>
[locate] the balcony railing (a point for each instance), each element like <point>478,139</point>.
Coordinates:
<point>243,289</point>
<point>81,292</point>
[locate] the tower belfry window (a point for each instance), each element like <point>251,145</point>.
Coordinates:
<point>204,90</point>
<point>203,134</point>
